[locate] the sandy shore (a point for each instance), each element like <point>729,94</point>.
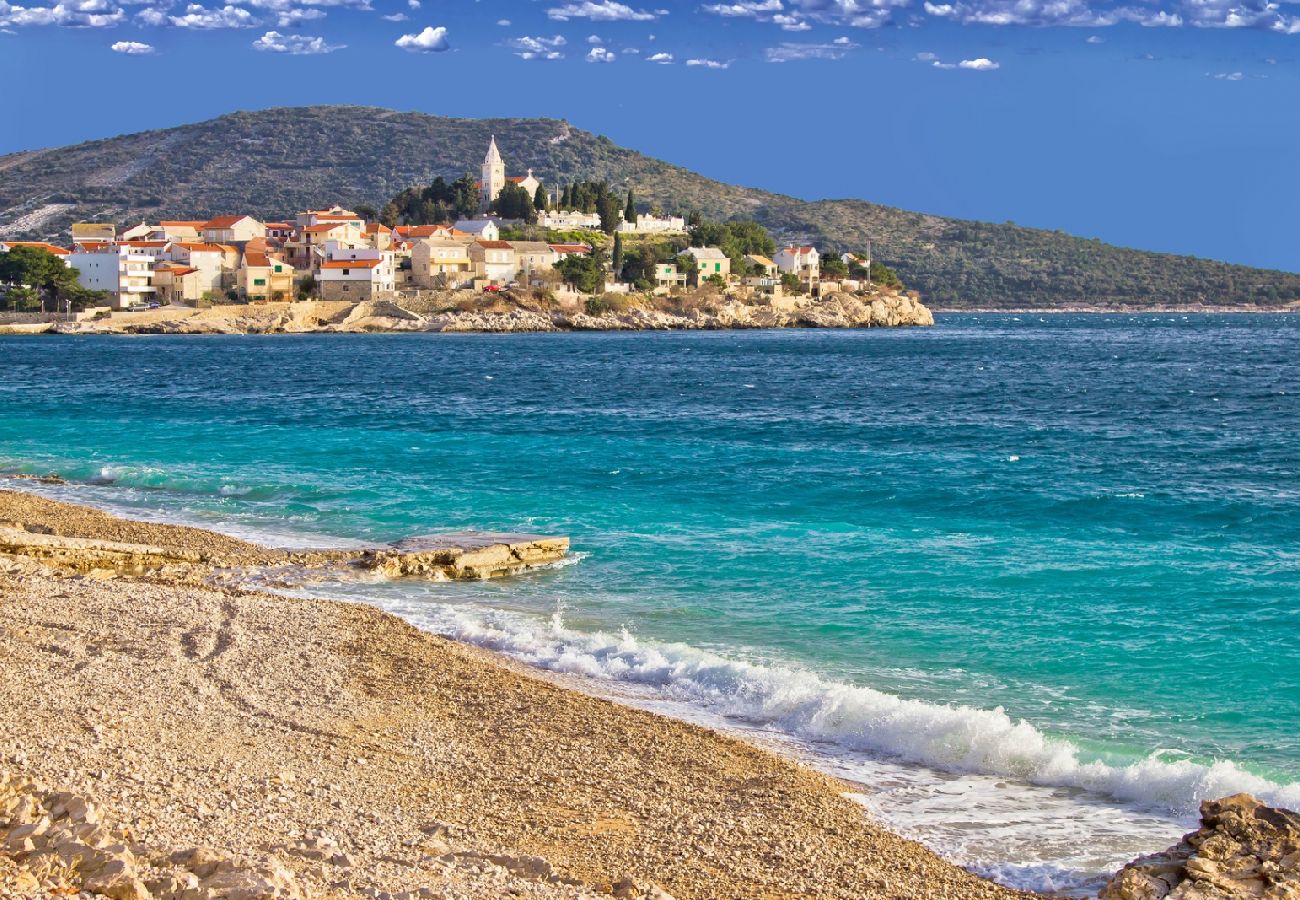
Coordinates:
<point>338,751</point>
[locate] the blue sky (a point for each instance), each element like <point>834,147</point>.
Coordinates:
<point>1163,124</point>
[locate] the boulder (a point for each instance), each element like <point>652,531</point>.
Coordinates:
<point>1242,849</point>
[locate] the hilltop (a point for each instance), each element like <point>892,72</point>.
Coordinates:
<point>274,162</point>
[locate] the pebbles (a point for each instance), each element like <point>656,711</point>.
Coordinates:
<point>232,723</point>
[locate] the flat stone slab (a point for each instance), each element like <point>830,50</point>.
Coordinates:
<point>465,554</point>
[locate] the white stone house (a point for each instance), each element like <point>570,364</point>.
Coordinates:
<point>494,261</point>
<point>479,229</point>
<point>125,273</point>
<point>533,257</point>
<point>803,262</point>
<point>710,261</point>
<point>356,274</point>
<point>651,225</point>
<point>439,261</point>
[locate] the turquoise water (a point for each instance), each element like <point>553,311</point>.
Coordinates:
<point>1059,552</point>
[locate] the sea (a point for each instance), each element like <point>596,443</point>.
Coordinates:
<point>1030,584</point>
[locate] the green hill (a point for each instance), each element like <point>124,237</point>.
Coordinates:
<point>274,162</point>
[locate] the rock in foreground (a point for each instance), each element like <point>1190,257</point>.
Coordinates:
<point>1242,849</point>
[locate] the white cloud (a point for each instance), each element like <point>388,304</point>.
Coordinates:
<point>1095,39</point>
<point>709,63</point>
<point>792,52</point>
<point>791,23</point>
<point>602,11</point>
<point>290,17</point>
<point>926,56</point>
<point>942,10</point>
<point>84,14</point>
<point>631,50</point>
<point>391,17</point>
<point>197,16</point>
<point>600,55</point>
<point>595,39</point>
<point>980,64</point>
<point>1230,76</point>
<point>504,23</point>
<point>750,8</point>
<point>431,40</point>
<point>662,58</point>
<point>296,44</point>
<point>132,48</point>
<point>537,47</point>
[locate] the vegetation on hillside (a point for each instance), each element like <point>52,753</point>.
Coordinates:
<point>274,162</point>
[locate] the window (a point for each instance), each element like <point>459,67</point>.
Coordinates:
<point>347,271</point>
<point>259,282</point>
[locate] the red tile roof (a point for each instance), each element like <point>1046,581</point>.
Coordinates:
<point>183,223</point>
<point>176,269</point>
<point>207,248</point>
<point>350,263</point>
<point>57,251</point>
<point>495,245</point>
<point>222,222</point>
<point>145,243</point>
<point>570,248</point>
<point>323,227</point>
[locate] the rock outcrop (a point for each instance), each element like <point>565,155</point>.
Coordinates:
<point>466,311</point>
<point>164,550</point>
<point>53,842</point>
<point>1242,849</point>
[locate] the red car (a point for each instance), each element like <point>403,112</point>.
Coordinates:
<point>491,289</point>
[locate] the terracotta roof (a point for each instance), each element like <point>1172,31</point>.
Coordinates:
<point>570,248</point>
<point>421,230</point>
<point>334,211</point>
<point>323,227</point>
<point>799,250</point>
<point>495,245</point>
<point>517,179</point>
<point>175,269</point>
<point>350,263</point>
<point>280,225</point>
<point>207,248</point>
<point>223,222</point>
<point>183,223</point>
<point>145,243</point>
<point>57,251</point>
<point>92,246</point>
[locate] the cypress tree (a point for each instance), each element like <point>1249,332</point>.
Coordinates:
<point>629,212</point>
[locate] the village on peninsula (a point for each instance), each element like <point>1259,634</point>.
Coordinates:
<point>501,253</point>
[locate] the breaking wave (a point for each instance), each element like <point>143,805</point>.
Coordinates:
<point>812,708</point>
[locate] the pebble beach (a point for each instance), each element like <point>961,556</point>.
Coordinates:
<point>226,740</point>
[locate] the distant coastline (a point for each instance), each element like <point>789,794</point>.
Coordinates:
<point>466,311</point>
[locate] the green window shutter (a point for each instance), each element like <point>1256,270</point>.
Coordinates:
<point>259,281</point>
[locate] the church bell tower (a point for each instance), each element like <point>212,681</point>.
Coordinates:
<point>494,174</point>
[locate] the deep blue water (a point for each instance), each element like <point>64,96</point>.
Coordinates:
<point>869,541</point>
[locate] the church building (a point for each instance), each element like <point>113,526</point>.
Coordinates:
<point>494,177</point>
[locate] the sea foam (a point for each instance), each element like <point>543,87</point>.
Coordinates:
<point>815,709</point>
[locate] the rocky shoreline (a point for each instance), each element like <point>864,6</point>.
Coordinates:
<point>182,738</point>
<point>464,311</point>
